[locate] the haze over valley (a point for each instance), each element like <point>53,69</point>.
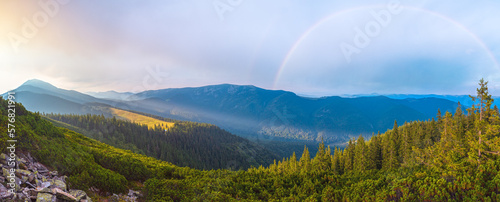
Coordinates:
<point>248,111</point>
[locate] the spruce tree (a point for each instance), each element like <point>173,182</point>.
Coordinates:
<point>391,148</point>
<point>293,163</point>
<point>375,153</point>
<point>458,125</point>
<point>337,164</point>
<point>305,160</point>
<point>439,116</point>
<point>322,159</point>
<point>484,141</point>
<point>349,157</point>
<point>405,143</point>
<point>360,155</point>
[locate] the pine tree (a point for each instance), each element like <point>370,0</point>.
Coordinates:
<point>458,125</point>
<point>349,157</point>
<point>305,160</point>
<point>337,164</point>
<point>443,152</point>
<point>406,140</point>
<point>396,137</point>
<point>360,155</point>
<point>328,158</point>
<point>485,138</point>
<point>439,116</point>
<point>391,148</point>
<point>375,153</point>
<point>322,159</point>
<point>293,163</point>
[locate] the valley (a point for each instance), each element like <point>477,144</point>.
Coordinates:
<point>248,111</point>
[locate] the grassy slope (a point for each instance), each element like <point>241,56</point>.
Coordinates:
<point>141,119</point>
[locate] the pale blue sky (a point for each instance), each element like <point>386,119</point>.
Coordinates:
<point>320,48</point>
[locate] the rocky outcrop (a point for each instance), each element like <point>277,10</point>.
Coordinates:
<point>31,181</point>
<point>130,197</point>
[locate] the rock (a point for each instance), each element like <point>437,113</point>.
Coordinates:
<point>45,197</point>
<point>62,178</point>
<point>132,193</point>
<point>21,172</point>
<point>5,172</point>
<point>44,179</point>
<point>40,168</point>
<point>53,173</point>
<point>20,160</point>
<point>31,177</point>
<point>78,194</point>
<point>116,198</point>
<point>20,197</point>
<point>31,192</point>
<point>24,179</point>
<point>34,182</point>
<point>59,184</point>
<point>4,192</point>
<point>3,158</point>
<point>60,194</point>
<point>27,192</point>
<point>30,159</point>
<point>45,184</point>
<point>18,184</point>
<point>23,166</point>
<point>44,190</point>
<point>132,196</point>
<point>31,185</point>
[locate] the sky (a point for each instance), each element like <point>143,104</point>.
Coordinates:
<point>318,49</point>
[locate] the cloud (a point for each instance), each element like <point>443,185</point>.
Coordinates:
<point>434,47</point>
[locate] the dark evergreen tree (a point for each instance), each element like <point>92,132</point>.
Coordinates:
<point>361,160</point>
<point>375,152</point>
<point>349,157</point>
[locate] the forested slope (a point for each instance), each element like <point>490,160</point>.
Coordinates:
<point>196,145</point>
<point>455,157</point>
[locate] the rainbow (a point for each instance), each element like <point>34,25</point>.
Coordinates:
<point>339,13</point>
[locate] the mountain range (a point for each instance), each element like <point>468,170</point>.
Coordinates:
<point>464,100</point>
<point>247,111</point>
<point>409,162</point>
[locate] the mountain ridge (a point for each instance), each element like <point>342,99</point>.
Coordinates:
<point>333,115</point>
<point>258,113</point>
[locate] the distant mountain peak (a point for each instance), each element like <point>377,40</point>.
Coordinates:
<point>38,83</point>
